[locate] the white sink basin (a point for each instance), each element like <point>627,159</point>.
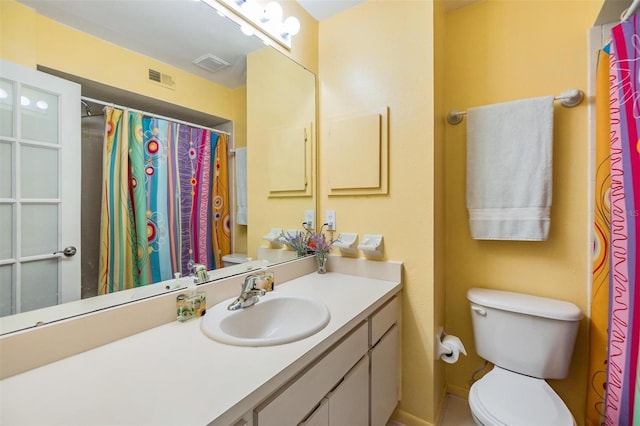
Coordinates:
<point>274,320</point>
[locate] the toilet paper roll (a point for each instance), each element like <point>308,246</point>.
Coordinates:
<point>449,349</point>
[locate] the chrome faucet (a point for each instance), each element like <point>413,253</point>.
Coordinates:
<point>200,272</point>
<point>254,285</point>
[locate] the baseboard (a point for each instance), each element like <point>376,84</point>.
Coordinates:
<point>441,405</point>
<point>404,418</point>
<point>458,391</point>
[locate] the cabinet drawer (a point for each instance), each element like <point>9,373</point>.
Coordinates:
<point>383,319</point>
<point>298,398</point>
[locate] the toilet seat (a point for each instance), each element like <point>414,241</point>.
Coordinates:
<point>503,397</point>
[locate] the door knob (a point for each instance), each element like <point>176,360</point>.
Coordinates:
<point>68,251</point>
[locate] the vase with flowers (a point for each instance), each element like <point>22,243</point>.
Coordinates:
<point>321,246</point>
<point>297,241</point>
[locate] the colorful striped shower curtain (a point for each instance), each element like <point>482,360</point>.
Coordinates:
<point>621,402</point>
<point>165,200</point>
<point>598,335</point>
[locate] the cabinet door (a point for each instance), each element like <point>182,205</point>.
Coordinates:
<point>320,417</point>
<point>349,402</point>
<point>296,400</point>
<point>384,377</point>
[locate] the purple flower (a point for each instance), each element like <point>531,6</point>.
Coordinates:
<point>298,241</point>
<point>319,243</point>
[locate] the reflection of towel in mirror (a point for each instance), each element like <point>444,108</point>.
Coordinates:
<point>509,171</point>
<point>241,185</point>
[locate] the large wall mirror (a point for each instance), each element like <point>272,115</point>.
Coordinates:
<point>109,50</point>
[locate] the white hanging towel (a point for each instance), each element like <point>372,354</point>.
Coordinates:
<point>509,170</point>
<point>241,185</point>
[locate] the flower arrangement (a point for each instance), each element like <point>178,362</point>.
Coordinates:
<point>298,241</point>
<point>318,243</point>
<point>321,246</point>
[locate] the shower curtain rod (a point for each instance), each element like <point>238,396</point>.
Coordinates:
<point>630,10</point>
<point>162,117</point>
<point>568,99</point>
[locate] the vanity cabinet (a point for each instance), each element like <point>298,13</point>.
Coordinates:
<point>384,363</point>
<point>320,416</point>
<point>353,383</point>
<point>295,401</point>
<point>349,402</point>
<point>384,377</point>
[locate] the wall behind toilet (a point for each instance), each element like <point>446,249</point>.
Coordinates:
<point>498,51</point>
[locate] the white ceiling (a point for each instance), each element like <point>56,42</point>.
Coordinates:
<point>173,31</point>
<point>322,9</point>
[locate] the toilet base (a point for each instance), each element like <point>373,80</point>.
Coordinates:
<point>503,397</point>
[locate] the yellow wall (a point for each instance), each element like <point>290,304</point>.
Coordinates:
<point>439,313</point>
<point>42,41</point>
<point>281,96</point>
<point>304,46</point>
<point>377,54</point>
<point>411,57</point>
<point>506,50</point>
<point>30,39</point>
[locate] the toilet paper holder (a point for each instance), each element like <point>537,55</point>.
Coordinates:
<point>448,347</point>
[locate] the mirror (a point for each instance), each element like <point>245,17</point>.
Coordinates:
<point>228,103</point>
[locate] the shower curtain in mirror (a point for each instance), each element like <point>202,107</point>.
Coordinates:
<point>165,203</point>
<point>621,404</point>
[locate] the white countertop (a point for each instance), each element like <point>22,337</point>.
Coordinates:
<point>174,374</point>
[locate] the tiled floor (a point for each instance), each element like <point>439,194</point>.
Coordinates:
<point>456,412</point>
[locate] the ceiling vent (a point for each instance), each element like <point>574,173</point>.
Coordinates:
<point>161,78</point>
<point>211,62</point>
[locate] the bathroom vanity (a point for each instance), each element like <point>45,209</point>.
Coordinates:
<point>347,373</point>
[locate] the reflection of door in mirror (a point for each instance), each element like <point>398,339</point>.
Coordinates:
<point>32,275</point>
<point>39,196</point>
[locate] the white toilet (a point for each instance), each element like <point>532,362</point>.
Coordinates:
<point>528,339</point>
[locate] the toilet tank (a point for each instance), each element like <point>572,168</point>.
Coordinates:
<point>526,334</point>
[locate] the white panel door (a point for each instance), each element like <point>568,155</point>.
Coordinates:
<point>39,189</point>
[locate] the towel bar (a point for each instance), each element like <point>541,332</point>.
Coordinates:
<point>569,99</point>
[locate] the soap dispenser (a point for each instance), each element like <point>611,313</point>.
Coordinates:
<point>198,301</point>
<point>184,303</point>
<point>192,303</point>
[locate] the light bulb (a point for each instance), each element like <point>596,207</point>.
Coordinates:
<point>24,101</point>
<point>3,94</point>
<point>273,11</point>
<point>246,30</point>
<point>42,105</point>
<point>291,25</point>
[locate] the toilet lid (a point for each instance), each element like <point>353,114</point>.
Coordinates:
<point>502,397</point>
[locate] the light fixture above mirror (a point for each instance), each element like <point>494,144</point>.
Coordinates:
<point>265,21</point>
